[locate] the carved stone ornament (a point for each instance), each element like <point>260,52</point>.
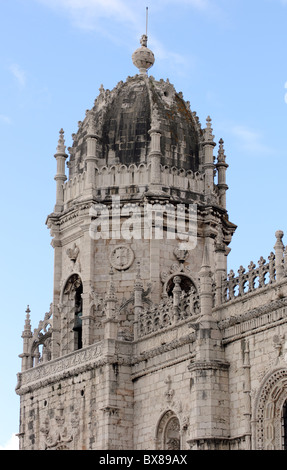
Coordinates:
<point>73,253</point>
<point>181,255</point>
<point>170,392</point>
<point>122,257</point>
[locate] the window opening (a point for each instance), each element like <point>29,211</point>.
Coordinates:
<point>78,317</point>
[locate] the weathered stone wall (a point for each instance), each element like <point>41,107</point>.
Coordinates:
<point>254,347</point>
<point>80,401</point>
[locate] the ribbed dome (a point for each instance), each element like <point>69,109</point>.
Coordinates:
<point>121,120</point>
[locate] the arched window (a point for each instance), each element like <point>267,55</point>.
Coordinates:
<point>270,431</point>
<point>168,432</point>
<point>186,284</point>
<point>78,317</point>
<point>71,313</point>
<point>284,426</point>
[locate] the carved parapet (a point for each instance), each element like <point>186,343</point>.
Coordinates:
<point>162,316</point>
<point>123,176</point>
<point>248,281</point>
<point>74,188</point>
<point>52,371</point>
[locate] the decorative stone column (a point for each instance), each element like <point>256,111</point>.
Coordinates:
<point>221,267</point>
<point>88,261</point>
<point>209,417</point>
<point>176,297</point>
<point>138,301</point>
<point>247,395</point>
<point>208,165</point>
<point>155,153</point>
<point>60,177</point>
<point>221,168</point>
<point>91,160</point>
<point>57,245</point>
<point>111,323</point>
<point>205,275</point>
<point>26,335</point>
<point>279,251</point>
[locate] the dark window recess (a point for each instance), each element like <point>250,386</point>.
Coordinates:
<point>78,317</point>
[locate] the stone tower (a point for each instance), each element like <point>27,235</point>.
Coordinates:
<point>136,350</point>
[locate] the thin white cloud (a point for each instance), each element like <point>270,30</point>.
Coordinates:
<point>250,141</point>
<point>5,119</point>
<point>198,4</point>
<point>89,15</point>
<point>86,14</point>
<point>19,74</point>
<point>162,54</point>
<point>12,444</point>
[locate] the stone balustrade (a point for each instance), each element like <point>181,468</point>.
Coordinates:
<point>260,276</point>
<point>166,314</point>
<point>247,281</point>
<point>47,372</point>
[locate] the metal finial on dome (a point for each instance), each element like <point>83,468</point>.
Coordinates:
<point>143,57</point>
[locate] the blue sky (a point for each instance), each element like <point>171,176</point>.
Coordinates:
<point>229,59</point>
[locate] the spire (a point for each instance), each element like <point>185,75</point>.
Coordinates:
<point>279,255</point>
<point>61,148</point>
<point>221,167</point>
<point>208,166</point>
<point>221,155</point>
<point>143,58</point>
<point>60,177</point>
<point>208,131</point>
<point>26,336</point>
<point>27,326</point>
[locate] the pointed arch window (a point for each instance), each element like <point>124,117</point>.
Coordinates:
<point>168,435</point>
<point>72,311</point>
<point>78,317</point>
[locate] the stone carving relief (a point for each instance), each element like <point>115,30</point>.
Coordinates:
<point>176,269</point>
<point>73,254</point>
<point>170,392</point>
<point>42,339</point>
<point>268,410</point>
<point>181,255</point>
<point>121,257</point>
<point>55,432</point>
<point>82,359</point>
<point>168,432</point>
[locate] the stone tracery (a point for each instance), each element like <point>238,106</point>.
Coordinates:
<point>268,410</point>
<point>168,432</point>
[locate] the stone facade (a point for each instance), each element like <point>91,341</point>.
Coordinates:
<point>149,343</point>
